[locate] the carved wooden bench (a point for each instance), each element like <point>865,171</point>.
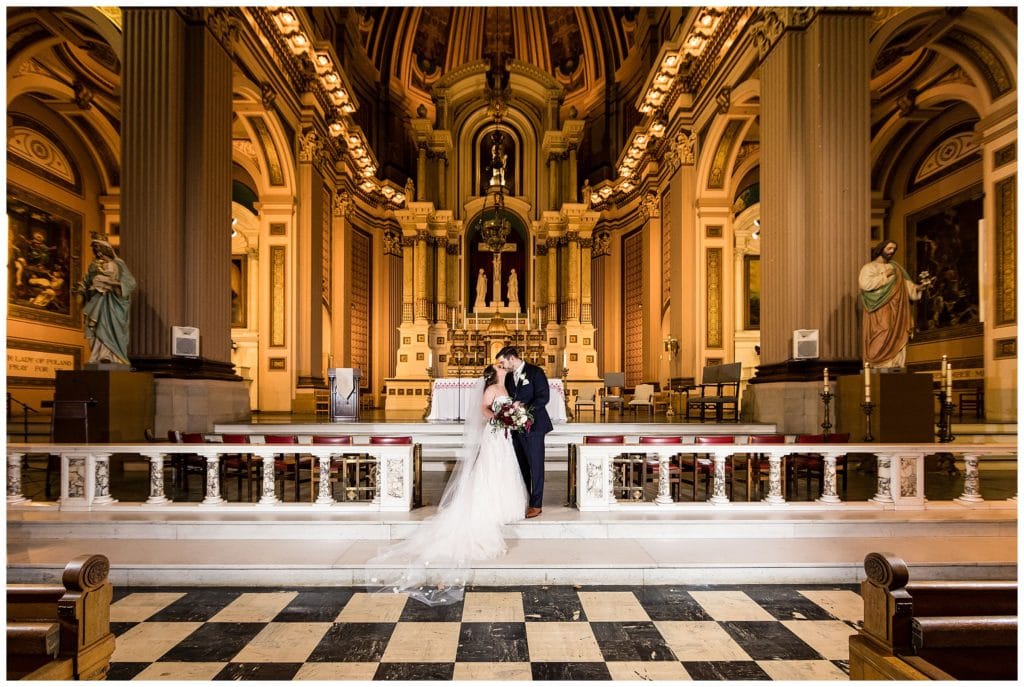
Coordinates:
<point>965,630</point>
<point>62,632</point>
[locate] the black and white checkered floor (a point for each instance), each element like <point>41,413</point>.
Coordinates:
<point>713,632</point>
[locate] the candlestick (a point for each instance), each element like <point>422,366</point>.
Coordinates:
<point>826,399</point>
<point>867,382</point>
<point>868,408</point>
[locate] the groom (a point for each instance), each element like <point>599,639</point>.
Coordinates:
<point>529,384</point>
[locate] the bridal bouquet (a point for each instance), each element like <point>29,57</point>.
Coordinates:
<point>512,415</point>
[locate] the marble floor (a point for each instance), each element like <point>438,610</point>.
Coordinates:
<point>707,632</point>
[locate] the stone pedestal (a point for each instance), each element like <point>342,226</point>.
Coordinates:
<point>196,405</point>
<point>123,410</point>
<point>904,407</point>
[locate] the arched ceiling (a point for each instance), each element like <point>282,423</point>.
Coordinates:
<point>578,46</point>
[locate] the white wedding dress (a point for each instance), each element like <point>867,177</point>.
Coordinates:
<point>485,491</point>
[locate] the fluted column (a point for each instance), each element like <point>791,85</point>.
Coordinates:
<point>341,287</point>
<point>421,173</point>
<point>408,242</point>
<point>542,267</point>
<point>574,190</point>
<point>176,172</point>
<point>586,248</point>
<point>815,203</point>
<point>152,174</point>
<point>309,282</point>
<point>552,314</point>
<point>421,275</point>
<point>553,201</point>
<point>442,279</point>
<point>574,275</point>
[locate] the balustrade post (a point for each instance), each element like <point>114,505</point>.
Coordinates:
<point>718,482</point>
<point>325,497</point>
<point>664,496</point>
<point>213,496</point>
<point>828,487</point>
<point>377,473</point>
<point>884,489</point>
<point>14,494</point>
<point>972,492</point>
<point>102,476</point>
<point>269,496</point>
<point>156,479</point>
<point>774,481</point>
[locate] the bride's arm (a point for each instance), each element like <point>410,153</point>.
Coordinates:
<point>488,401</point>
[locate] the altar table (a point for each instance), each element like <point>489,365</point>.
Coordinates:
<point>450,399</point>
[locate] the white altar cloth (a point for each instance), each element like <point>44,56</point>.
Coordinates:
<point>449,399</point>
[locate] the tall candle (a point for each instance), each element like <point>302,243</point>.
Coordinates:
<point>867,382</point>
<point>949,380</point>
<point>430,359</point>
<point>825,382</point>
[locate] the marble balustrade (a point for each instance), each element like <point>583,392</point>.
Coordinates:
<point>900,474</point>
<point>85,474</point>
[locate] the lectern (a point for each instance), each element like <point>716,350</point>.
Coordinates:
<point>344,383</point>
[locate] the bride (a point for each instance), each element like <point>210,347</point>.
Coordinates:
<point>484,492</point>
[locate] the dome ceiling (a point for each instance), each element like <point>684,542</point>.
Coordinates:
<point>578,46</point>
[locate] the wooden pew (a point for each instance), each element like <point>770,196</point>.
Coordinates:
<point>62,632</point>
<point>964,630</point>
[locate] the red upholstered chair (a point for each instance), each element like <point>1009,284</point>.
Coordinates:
<point>283,460</point>
<point>328,440</point>
<point>812,465</point>
<point>758,464</point>
<point>238,464</point>
<point>604,439</point>
<point>704,464</point>
<point>654,465</point>
<point>185,464</point>
<point>385,440</point>
<point>333,440</point>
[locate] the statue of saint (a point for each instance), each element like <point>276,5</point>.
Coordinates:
<point>886,291</point>
<point>513,288</point>
<point>107,289</point>
<point>481,289</point>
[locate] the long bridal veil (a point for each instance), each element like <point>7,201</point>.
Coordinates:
<point>432,565</point>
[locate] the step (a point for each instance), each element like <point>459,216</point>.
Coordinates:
<point>337,562</point>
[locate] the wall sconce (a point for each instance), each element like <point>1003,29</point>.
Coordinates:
<point>671,346</point>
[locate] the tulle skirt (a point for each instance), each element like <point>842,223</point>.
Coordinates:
<point>436,557</point>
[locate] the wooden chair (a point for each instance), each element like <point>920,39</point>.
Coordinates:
<point>704,465</point>
<point>757,463</point>
<point>643,397</point>
<point>812,465</point>
<point>283,460</point>
<point>719,388</point>
<point>616,381</point>
<point>328,440</point>
<point>654,465</point>
<point>584,398</point>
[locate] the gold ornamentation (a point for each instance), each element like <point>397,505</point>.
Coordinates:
<point>277,295</point>
<point>714,297</point>
<point>1006,251</point>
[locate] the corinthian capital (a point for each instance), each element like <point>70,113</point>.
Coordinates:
<point>309,146</point>
<point>771,22</point>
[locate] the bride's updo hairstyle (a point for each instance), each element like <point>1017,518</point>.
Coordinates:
<point>490,375</point>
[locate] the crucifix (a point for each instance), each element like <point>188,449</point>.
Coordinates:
<point>496,267</point>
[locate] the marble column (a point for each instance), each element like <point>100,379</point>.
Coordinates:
<point>552,314</point>
<point>574,276</point>
<point>442,280</point>
<point>420,296</point>
<point>176,182</point>
<point>156,479</point>
<point>308,344</point>
<point>586,248</point>
<point>14,493</point>
<point>408,256</point>
<point>574,191</point>
<point>341,281</point>
<point>815,199</point>
<point>421,172</point>
<point>553,200</point>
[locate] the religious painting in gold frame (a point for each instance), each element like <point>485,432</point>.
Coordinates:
<point>752,288</point>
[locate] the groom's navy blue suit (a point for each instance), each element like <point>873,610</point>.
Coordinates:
<point>533,392</point>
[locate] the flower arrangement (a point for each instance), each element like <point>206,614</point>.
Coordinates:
<point>512,415</point>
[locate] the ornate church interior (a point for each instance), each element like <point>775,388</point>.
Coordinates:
<point>319,225</point>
